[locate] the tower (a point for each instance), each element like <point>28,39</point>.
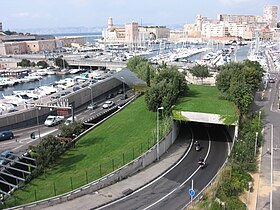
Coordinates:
<point>110,22</point>
<point>270,15</point>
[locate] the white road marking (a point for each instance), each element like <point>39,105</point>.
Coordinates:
<point>271,167</point>
<point>42,135</point>
<point>208,151</point>
<point>109,204</point>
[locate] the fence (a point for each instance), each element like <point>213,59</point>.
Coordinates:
<point>82,185</point>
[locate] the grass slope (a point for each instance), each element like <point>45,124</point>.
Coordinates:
<point>205,99</point>
<point>117,141</point>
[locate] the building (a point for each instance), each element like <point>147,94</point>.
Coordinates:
<point>240,19</point>
<point>233,27</point>
<point>155,32</point>
<point>40,45</point>
<point>1,27</point>
<point>132,34</point>
<point>71,41</point>
<point>270,15</point>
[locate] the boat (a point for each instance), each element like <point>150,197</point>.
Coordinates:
<point>74,71</point>
<point>16,100</point>
<point>42,72</point>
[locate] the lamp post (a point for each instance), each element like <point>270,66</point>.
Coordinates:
<point>91,96</point>
<point>123,86</point>
<point>38,123</point>
<point>248,197</point>
<point>160,108</point>
<point>256,143</point>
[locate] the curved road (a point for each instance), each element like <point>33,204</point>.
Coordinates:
<point>171,190</point>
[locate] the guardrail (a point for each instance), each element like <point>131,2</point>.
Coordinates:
<point>111,178</point>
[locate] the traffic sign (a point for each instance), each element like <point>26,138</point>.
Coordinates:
<point>191,192</point>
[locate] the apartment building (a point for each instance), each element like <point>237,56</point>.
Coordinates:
<point>270,14</point>
<point>1,27</point>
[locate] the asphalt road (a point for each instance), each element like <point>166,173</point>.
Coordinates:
<point>269,185</point>
<point>22,139</point>
<point>171,190</point>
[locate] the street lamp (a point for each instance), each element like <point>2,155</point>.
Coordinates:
<point>91,96</point>
<point>38,123</point>
<point>123,86</point>
<point>248,197</point>
<point>160,108</point>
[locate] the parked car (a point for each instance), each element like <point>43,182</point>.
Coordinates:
<point>111,95</point>
<point>5,154</point>
<point>5,135</point>
<point>92,105</point>
<point>75,88</point>
<point>120,91</point>
<point>108,104</point>
<point>12,110</point>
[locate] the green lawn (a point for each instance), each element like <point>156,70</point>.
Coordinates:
<point>117,141</point>
<point>205,99</point>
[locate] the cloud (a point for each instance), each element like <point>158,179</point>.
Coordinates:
<point>234,2</point>
<point>21,14</point>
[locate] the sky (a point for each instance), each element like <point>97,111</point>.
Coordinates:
<point>24,14</point>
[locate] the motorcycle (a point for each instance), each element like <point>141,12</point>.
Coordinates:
<point>197,146</point>
<point>201,163</point>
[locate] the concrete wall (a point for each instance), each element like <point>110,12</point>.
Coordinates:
<point>127,170</point>
<point>26,118</point>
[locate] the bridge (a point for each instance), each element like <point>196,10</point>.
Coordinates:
<point>113,65</point>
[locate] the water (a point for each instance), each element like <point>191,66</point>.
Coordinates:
<point>90,38</point>
<point>46,80</point>
<point>241,54</point>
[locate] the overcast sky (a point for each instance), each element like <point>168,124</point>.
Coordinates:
<point>23,14</point>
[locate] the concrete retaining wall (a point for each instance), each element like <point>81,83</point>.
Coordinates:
<point>28,117</point>
<point>129,169</point>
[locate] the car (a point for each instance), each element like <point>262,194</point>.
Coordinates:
<point>5,135</point>
<point>92,105</point>
<point>69,120</point>
<point>12,110</point>
<point>65,93</point>
<point>111,95</point>
<point>55,97</point>
<point>108,104</point>
<point>123,96</point>
<point>75,88</point>
<point>5,154</point>
<point>120,91</point>
<point>53,120</point>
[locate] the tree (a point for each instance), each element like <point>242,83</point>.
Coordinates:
<point>168,84</point>
<point>200,71</point>
<point>142,68</point>
<point>42,64</point>
<point>134,62</point>
<point>48,151</point>
<point>61,63</point>
<point>68,131</point>
<point>24,63</point>
<point>8,32</point>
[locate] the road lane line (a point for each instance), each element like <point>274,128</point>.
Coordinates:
<point>42,135</point>
<point>271,166</point>
<point>208,151</point>
<point>155,180</point>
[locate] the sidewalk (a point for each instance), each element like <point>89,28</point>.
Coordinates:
<point>134,182</point>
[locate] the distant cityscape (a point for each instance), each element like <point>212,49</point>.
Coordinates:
<point>223,29</point>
